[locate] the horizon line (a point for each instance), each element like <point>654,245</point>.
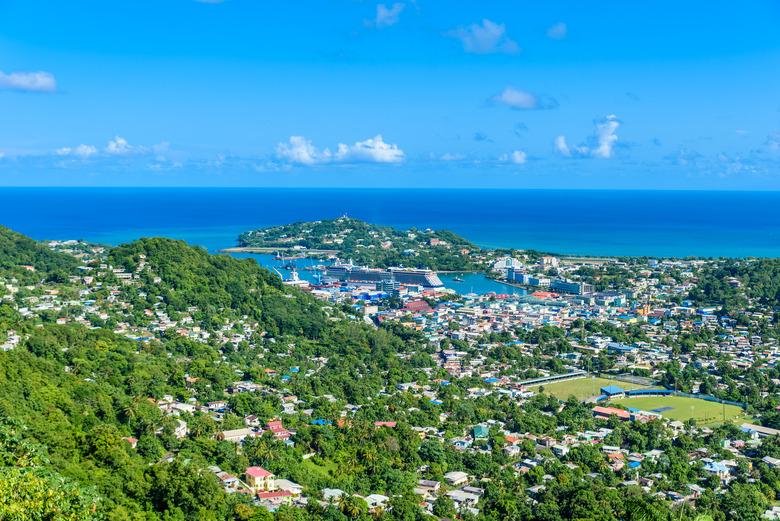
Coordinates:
<point>464,188</point>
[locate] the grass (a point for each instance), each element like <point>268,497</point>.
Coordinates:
<point>583,388</point>
<point>320,470</point>
<point>705,413</point>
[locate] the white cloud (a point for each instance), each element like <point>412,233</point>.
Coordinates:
<point>599,145</point>
<point>300,151</point>
<point>165,167</point>
<point>82,151</point>
<point>557,31</point>
<point>387,16</point>
<point>116,147</point>
<point>522,100</point>
<point>561,146</point>
<point>28,81</point>
<point>605,133</point>
<point>453,157</point>
<point>485,38</point>
<point>517,157</point>
<point>119,146</point>
<point>161,147</point>
<point>370,151</point>
<point>684,157</point>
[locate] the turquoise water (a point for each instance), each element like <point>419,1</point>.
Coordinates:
<point>597,222</point>
<point>473,282</point>
<point>478,283</point>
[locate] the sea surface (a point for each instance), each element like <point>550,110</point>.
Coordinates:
<point>593,222</point>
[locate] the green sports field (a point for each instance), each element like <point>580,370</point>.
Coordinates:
<point>684,408</point>
<point>583,388</point>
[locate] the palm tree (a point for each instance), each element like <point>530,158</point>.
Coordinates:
<point>348,462</point>
<point>130,409</point>
<point>351,506</point>
<point>203,426</point>
<point>371,456</point>
<point>265,452</point>
<point>638,510</point>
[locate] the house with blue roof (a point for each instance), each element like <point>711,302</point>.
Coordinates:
<point>750,432</point>
<point>717,469</point>
<point>620,348</point>
<point>481,432</point>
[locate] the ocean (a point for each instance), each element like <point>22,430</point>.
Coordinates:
<point>592,222</point>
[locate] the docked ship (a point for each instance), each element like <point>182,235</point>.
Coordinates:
<point>428,279</point>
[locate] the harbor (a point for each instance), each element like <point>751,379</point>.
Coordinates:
<point>476,283</point>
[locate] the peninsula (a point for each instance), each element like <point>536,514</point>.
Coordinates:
<point>368,244</point>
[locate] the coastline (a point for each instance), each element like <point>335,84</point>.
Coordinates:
<point>265,250</point>
<point>514,285</point>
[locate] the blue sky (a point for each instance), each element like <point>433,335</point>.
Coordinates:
<point>661,95</point>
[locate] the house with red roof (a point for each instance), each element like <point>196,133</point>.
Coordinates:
<point>279,431</point>
<point>132,441</point>
<point>279,497</point>
<point>417,306</point>
<point>260,479</point>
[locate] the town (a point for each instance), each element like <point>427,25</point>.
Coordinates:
<point>633,384</point>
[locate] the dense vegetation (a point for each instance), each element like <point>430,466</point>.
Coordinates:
<point>17,250</point>
<point>370,244</point>
<point>219,286</point>
<point>758,279</point>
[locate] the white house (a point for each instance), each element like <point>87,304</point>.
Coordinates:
<point>456,478</point>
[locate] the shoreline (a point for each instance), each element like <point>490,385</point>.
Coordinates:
<point>514,285</point>
<point>266,249</point>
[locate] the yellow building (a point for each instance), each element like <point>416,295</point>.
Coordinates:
<point>260,479</point>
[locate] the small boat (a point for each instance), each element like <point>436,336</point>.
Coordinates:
<point>458,279</point>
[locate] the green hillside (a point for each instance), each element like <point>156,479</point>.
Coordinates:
<point>370,244</point>
<point>17,250</point>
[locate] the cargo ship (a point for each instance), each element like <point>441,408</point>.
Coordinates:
<point>428,279</point>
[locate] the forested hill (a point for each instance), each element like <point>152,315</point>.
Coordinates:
<point>217,288</point>
<point>732,282</point>
<point>17,250</point>
<point>70,392</point>
<point>192,276</point>
<point>370,244</point>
